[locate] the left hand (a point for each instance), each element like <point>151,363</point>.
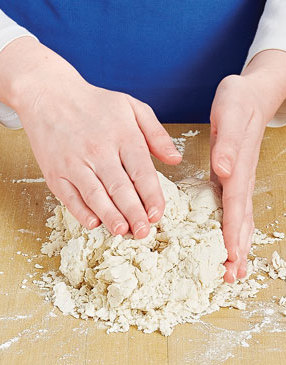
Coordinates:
<point>237,128</point>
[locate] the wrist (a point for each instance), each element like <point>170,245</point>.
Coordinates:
<point>27,70</point>
<point>266,76</point>
<point>17,60</point>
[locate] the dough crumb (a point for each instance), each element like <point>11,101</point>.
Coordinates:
<point>279,235</point>
<point>190,133</point>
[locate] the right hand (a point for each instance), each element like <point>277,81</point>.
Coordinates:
<point>92,145</point>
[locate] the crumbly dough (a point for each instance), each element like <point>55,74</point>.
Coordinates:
<point>172,276</point>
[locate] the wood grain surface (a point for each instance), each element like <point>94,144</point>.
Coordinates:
<point>33,332</point>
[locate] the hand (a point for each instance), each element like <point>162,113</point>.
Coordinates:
<point>237,128</point>
<point>92,145</point>
<point>242,107</point>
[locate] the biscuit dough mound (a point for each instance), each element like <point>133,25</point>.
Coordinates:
<point>154,283</point>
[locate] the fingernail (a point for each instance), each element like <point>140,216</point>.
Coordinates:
<point>152,211</point>
<point>116,226</point>
<point>237,254</point>
<point>225,165</point>
<point>92,222</point>
<point>138,227</point>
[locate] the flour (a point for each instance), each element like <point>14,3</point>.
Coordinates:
<point>8,343</point>
<point>29,181</point>
<point>180,144</point>
<point>26,231</point>
<point>15,318</point>
<point>190,133</point>
<point>175,275</point>
<point>279,235</point>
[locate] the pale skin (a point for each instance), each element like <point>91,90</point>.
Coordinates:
<point>93,145</point>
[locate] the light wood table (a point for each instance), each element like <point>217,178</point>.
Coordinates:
<point>33,332</point>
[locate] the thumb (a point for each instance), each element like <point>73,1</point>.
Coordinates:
<point>228,126</point>
<point>157,138</point>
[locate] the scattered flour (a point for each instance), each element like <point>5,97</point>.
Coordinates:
<point>15,318</point>
<point>190,133</point>
<point>282,303</point>
<point>180,144</point>
<point>29,181</point>
<point>26,231</point>
<point>279,235</point>
<point>8,343</point>
<point>180,141</point>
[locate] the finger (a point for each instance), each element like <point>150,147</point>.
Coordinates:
<point>229,123</point>
<point>123,194</point>
<point>71,198</point>
<point>142,173</point>
<point>248,225</point>
<point>246,236</point>
<point>238,269</point>
<point>159,142</point>
<point>97,199</point>
<point>235,189</point>
<point>213,176</point>
<point>234,202</point>
<point>246,233</point>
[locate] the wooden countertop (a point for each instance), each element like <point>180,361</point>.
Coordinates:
<point>33,332</point>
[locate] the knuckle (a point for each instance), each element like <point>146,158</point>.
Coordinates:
<point>226,149</point>
<point>141,173</point>
<point>69,200</point>
<point>94,149</point>
<point>68,161</point>
<point>142,148</point>
<point>233,196</point>
<point>122,98</point>
<point>91,194</point>
<point>229,81</point>
<point>115,187</point>
<point>148,108</point>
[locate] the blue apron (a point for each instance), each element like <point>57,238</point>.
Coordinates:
<point>169,54</point>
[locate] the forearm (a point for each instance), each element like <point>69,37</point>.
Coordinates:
<point>266,74</point>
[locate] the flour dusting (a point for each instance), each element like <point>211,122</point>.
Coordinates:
<point>180,144</point>
<point>29,181</point>
<point>190,133</point>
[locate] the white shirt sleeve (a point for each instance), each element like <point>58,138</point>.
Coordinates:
<point>9,31</point>
<point>271,34</point>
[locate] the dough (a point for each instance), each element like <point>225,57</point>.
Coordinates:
<point>170,277</point>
